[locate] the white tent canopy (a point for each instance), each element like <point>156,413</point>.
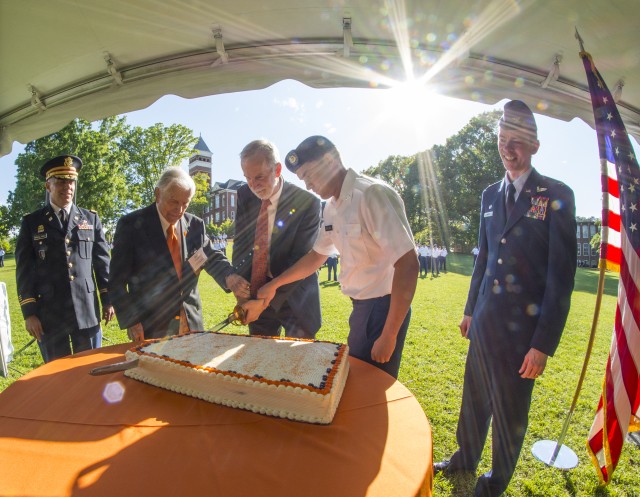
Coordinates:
<point>63,59</point>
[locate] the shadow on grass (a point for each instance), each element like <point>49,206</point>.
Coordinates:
<point>328,283</point>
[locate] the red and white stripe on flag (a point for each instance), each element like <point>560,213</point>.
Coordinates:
<point>619,406</point>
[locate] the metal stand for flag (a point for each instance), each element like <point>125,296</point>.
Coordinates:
<point>555,454</point>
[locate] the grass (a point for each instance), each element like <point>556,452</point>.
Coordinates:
<point>432,368</point>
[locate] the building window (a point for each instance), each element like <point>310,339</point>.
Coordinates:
<point>217,202</point>
<point>585,231</point>
<point>232,200</point>
<point>217,217</point>
<point>224,216</point>
<point>224,201</point>
<point>592,230</point>
<point>579,253</point>
<point>232,215</point>
<point>578,231</point>
<point>586,249</point>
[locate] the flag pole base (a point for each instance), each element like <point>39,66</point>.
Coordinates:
<point>543,451</point>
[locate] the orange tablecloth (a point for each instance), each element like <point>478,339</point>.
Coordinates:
<point>64,432</point>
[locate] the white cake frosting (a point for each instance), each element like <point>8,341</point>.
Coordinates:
<point>290,378</point>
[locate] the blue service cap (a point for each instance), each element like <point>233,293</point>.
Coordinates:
<point>310,149</point>
<point>518,116</point>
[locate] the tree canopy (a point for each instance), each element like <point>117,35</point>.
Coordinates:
<point>121,165</point>
<point>441,187</point>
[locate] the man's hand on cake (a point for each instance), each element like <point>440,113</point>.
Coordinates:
<point>253,309</point>
<point>383,348</point>
<point>136,333</point>
<point>239,286</point>
<point>108,313</point>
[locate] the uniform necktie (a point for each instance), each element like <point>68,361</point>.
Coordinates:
<point>63,218</point>
<point>511,198</point>
<point>174,249</point>
<point>260,262</point>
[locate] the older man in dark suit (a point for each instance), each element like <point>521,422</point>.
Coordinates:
<point>517,305</point>
<point>158,253</point>
<point>62,265</point>
<point>276,224</point>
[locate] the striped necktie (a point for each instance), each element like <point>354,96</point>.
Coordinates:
<point>260,264</point>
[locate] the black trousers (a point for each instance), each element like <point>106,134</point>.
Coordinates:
<point>67,340</point>
<point>365,326</point>
<point>271,322</point>
<point>493,394</point>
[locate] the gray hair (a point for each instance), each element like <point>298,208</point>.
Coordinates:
<point>175,175</point>
<point>261,148</point>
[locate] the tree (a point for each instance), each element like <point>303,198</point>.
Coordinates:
<point>200,201</point>
<point>151,151</point>
<point>5,225</point>
<point>101,183</point>
<point>466,164</point>
<point>441,187</point>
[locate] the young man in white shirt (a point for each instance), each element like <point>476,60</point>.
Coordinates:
<point>365,222</point>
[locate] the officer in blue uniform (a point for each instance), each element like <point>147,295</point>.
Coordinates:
<point>517,305</point>
<point>62,264</point>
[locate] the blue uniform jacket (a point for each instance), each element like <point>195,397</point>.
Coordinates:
<point>522,281</point>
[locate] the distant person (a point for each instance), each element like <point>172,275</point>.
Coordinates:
<point>423,252</point>
<point>276,224</point>
<point>2,252</point>
<point>158,253</point>
<point>435,260</point>
<point>62,265</point>
<point>365,222</point>
<point>332,265</point>
<point>518,302</point>
<point>475,252</point>
<point>442,259</point>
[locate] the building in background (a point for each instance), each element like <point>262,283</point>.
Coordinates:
<point>222,196</point>
<point>587,256</point>
<point>224,200</point>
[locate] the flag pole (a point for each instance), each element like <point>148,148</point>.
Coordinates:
<point>552,453</point>
<point>556,454</point>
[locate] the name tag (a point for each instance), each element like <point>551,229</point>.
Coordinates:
<point>197,260</point>
<point>488,214</point>
<point>329,227</point>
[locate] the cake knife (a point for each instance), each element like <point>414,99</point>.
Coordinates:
<point>236,317</point>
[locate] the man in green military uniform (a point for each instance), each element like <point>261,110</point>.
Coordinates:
<point>62,264</point>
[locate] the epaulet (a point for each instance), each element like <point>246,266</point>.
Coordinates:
<point>91,210</point>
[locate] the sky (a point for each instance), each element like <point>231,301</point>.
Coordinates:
<point>366,125</point>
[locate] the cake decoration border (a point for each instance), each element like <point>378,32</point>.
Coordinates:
<point>342,348</point>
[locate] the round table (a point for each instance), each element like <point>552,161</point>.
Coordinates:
<point>64,432</point>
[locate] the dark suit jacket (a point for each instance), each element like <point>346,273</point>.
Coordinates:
<point>55,268</point>
<point>523,278</point>
<point>294,232</point>
<point>144,284</point>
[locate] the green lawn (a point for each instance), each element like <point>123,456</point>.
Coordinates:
<point>433,365</point>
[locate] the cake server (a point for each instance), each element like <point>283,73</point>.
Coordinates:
<point>236,317</point>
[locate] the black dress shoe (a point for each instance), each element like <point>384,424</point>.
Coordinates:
<point>441,467</point>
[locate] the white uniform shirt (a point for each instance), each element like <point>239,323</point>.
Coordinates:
<point>368,226</point>
<point>423,251</point>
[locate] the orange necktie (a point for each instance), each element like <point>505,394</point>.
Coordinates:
<point>260,264</point>
<point>174,249</point>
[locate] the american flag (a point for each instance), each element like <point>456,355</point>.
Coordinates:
<point>618,409</point>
